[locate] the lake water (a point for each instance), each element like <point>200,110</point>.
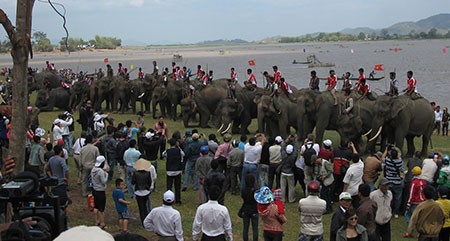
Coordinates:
<point>426,58</point>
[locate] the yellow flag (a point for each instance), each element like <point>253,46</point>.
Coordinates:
<point>132,66</point>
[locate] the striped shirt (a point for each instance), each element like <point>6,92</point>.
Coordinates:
<point>392,170</point>
<point>311,210</point>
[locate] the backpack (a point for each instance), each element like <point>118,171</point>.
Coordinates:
<point>308,153</point>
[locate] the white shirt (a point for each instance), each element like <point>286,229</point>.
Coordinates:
<point>153,175</point>
<point>57,133</point>
<point>213,220</point>
<point>65,125</point>
<point>252,154</point>
<point>353,177</point>
<point>165,221</point>
<point>78,144</point>
<point>429,168</point>
<point>437,116</point>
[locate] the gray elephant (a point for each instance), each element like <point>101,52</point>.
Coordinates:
<point>149,83</point>
<point>238,114</point>
<point>103,90</point>
<point>45,79</point>
<point>46,100</point>
<point>78,93</point>
<point>159,96</point>
<point>406,118</point>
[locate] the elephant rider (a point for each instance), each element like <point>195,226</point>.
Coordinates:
<point>364,90</point>
<point>251,82</point>
<point>100,73</point>
<point>284,87</point>
<point>277,74</point>
<point>361,76</point>
<point>155,68</point>
<point>273,87</point>
<point>120,70</point>
<point>411,84</point>
<point>174,67</point>
<point>204,79</point>
<point>314,81</point>
<point>141,74</point>
<point>199,72</point>
<point>179,74</point>
<point>210,76</point>
<point>186,73</point>
<point>393,90</point>
<point>331,82</point>
<point>348,102</point>
<point>109,71</point>
<point>233,74</point>
<point>347,85</point>
<point>164,78</point>
<point>189,89</point>
<point>231,89</point>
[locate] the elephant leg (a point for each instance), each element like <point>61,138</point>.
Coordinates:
<point>410,145</point>
<point>399,138</point>
<point>425,142</point>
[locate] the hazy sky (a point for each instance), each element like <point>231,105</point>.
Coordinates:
<point>191,21</point>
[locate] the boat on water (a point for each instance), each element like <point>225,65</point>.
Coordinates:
<point>177,58</point>
<point>313,62</point>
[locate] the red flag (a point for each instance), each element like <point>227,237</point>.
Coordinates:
<point>251,62</point>
<point>105,60</point>
<point>444,50</point>
<point>396,50</point>
<point>378,67</point>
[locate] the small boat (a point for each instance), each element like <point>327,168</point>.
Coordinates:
<point>313,62</point>
<point>177,58</point>
<point>370,79</point>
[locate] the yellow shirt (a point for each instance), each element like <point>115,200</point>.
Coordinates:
<point>445,204</point>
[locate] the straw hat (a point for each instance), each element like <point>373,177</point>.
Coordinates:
<point>142,164</point>
<point>84,232</point>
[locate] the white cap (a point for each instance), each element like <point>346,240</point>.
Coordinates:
<point>278,139</point>
<point>149,135</point>
<point>289,149</point>
<point>99,161</point>
<point>327,142</point>
<point>345,196</point>
<point>169,196</point>
<point>57,121</point>
<point>83,232</point>
<point>39,132</point>
<point>97,117</point>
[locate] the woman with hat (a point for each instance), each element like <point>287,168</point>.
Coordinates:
<point>99,177</point>
<point>270,215</point>
<point>144,183</point>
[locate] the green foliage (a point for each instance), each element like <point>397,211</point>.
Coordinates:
<point>322,37</point>
<point>41,42</point>
<point>73,44</point>
<point>107,42</point>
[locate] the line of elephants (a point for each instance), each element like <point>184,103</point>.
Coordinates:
<point>394,119</point>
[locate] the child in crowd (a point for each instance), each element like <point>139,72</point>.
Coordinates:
<point>121,205</point>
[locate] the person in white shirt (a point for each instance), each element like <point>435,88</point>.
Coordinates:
<point>57,131</point>
<point>76,154</point>
<point>309,170</point>
<point>438,119</point>
<point>165,221</point>
<point>252,154</point>
<point>353,178</point>
<point>212,220</point>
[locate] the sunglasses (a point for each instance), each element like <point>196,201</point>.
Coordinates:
<point>353,218</point>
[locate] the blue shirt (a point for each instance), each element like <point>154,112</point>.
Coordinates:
<point>58,168</point>
<point>118,194</point>
<point>241,145</point>
<point>132,134</point>
<point>131,156</point>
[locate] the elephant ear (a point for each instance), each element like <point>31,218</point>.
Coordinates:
<point>398,105</point>
<point>257,98</point>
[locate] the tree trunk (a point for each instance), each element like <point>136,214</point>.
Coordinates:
<point>21,47</point>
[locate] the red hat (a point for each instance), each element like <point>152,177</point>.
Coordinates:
<point>60,142</point>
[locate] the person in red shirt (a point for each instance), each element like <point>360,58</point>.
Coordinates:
<point>326,152</point>
<point>204,79</point>
<point>364,90</point>
<point>411,83</point>
<point>284,86</point>
<point>199,71</point>
<point>180,73</point>
<point>416,195</point>
<point>331,82</point>
<point>361,76</point>
<point>251,82</point>
<point>120,70</point>
<point>233,75</point>
<point>277,74</point>
<point>174,67</point>
<point>141,74</point>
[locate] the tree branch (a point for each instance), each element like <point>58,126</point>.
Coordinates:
<point>7,25</point>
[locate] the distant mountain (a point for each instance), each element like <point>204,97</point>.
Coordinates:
<point>440,21</point>
<point>223,42</point>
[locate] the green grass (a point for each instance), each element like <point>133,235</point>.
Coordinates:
<point>78,214</point>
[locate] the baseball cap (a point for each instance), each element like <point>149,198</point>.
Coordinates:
<point>327,142</point>
<point>149,135</point>
<point>289,149</point>
<point>99,160</point>
<point>278,139</point>
<point>345,196</point>
<point>169,196</point>
<point>60,142</point>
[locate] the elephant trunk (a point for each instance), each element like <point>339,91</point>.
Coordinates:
<point>376,135</point>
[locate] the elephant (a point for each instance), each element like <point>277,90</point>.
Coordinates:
<point>174,90</point>
<point>45,79</point>
<point>46,100</point>
<point>240,112</point>
<point>103,90</point>
<point>149,83</point>
<point>78,92</point>
<point>188,110</point>
<point>406,118</point>
<point>279,121</point>
<point>160,97</point>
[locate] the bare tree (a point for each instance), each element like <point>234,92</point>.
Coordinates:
<point>21,48</point>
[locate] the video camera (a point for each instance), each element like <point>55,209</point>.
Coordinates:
<point>29,197</point>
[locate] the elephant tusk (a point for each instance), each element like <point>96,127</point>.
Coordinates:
<point>220,128</point>
<point>367,133</point>
<point>226,130</point>
<point>376,135</point>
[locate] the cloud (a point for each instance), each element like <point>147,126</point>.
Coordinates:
<point>137,3</point>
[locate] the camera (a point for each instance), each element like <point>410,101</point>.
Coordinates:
<point>29,196</point>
